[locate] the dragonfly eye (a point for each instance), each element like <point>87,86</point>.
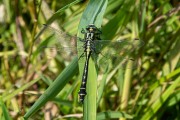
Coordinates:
<point>91,27</point>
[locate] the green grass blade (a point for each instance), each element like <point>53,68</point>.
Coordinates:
<point>112,115</point>
<point>60,11</point>
<point>159,102</point>
<point>175,98</point>
<point>56,15</point>
<point>126,86</point>
<point>120,20</point>
<point>55,87</point>
<point>163,79</point>
<point>4,110</point>
<point>93,14</point>
<point>8,10</point>
<point>102,85</point>
<point>14,93</point>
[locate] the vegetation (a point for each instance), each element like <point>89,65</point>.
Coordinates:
<point>37,86</point>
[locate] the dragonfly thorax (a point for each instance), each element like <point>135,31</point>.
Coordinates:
<point>89,36</point>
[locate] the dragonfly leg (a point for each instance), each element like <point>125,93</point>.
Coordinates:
<point>82,40</point>
<point>99,31</point>
<point>83,31</point>
<point>82,55</point>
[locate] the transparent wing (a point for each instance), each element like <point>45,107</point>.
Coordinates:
<point>57,43</point>
<point>117,52</point>
<point>105,52</point>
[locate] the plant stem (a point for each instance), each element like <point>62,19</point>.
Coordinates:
<point>126,86</point>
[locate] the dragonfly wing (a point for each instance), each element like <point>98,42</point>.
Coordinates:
<point>59,37</point>
<point>57,43</point>
<point>117,46</point>
<point>117,52</point>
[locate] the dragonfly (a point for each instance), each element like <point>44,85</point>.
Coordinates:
<point>102,51</point>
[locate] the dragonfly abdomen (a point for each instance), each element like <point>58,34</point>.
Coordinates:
<point>82,92</point>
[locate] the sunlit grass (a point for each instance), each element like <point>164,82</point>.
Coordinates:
<point>28,76</point>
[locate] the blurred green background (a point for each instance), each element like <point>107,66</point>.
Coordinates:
<point>152,90</point>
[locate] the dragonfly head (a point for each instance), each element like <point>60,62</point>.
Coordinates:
<point>91,28</point>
